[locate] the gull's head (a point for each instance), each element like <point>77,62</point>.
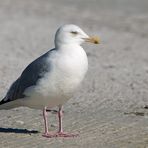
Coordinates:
<point>72,34</point>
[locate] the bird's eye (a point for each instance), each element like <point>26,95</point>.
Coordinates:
<point>74,32</point>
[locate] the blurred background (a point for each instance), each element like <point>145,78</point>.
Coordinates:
<point>110,110</point>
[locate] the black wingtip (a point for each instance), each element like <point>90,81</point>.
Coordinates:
<point>4,100</point>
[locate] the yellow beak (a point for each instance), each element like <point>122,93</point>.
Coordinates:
<point>93,39</point>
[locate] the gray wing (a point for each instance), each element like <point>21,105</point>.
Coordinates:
<point>29,77</point>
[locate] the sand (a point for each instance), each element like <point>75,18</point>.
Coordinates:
<point>110,109</point>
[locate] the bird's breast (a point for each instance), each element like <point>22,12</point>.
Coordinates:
<point>70,69</point>
<point>73,64</point>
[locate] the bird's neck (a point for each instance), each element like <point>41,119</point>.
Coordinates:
<point>67,46</point>
<point>70,48</point>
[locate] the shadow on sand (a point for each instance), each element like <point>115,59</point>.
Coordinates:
<point>16,130</point>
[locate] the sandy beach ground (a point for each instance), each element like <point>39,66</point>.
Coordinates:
<point>111,108</point>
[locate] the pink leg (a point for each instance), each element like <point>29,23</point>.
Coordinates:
<point>45,121</point>
<point>60,132</point>
<point>60,114</point>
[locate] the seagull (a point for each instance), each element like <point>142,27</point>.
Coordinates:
<point>51,80</point>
